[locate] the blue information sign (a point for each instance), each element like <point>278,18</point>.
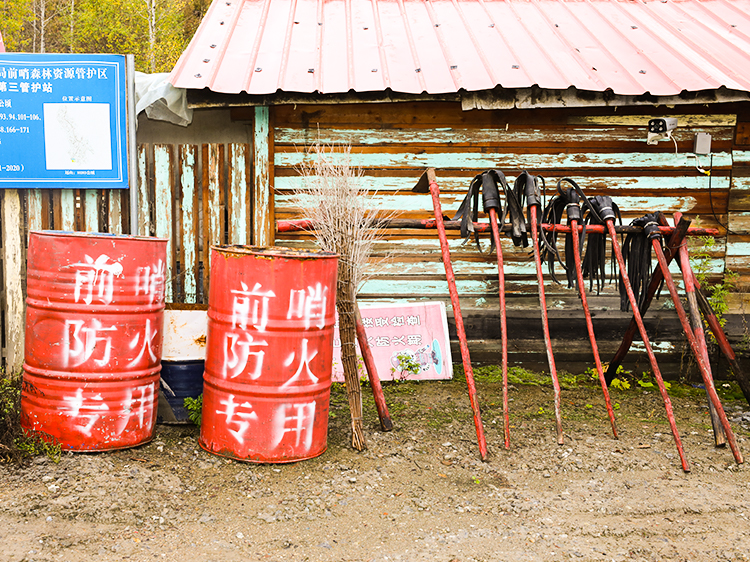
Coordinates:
<point>63,121</point>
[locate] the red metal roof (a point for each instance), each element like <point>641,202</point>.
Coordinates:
<point>630,47</point>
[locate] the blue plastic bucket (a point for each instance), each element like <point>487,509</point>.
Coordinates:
<point>180,380</point>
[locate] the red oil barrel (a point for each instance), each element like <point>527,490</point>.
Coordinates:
<point>269,353</point>
<point>93,338</point>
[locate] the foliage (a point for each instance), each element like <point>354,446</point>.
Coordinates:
<point>717,293</point>
<point>17,444</point>
<point>92,26</point>
<point>407,365</point>
<point>194,406</point>
<point>620,384</point>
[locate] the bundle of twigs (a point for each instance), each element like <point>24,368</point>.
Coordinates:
<point>344,219</point>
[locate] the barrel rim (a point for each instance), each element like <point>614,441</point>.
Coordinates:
<point>102,235</point>
<point>273,251</point>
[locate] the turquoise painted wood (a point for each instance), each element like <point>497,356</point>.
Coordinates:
<point>513,161</point>
<point>68,210</point>
<point>451,182</point>
<point>263,204</point>
<point>188,216</point>
<point>456,136</point>
<point>163,209</point>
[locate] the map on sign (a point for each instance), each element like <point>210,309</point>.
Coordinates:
<point>76,136</point>
<point>63,121</point>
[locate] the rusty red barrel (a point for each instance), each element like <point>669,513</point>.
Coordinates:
<point>267,383</point>
<point>93,338</point>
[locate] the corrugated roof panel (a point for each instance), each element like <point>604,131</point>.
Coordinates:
<point>366,60</point>
<point>662,47</point>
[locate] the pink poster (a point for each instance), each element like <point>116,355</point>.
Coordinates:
<point>407,341</point>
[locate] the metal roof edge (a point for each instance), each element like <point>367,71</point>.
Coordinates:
<point>498,98</point>
<point>530,98</point>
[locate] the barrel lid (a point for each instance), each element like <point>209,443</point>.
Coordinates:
<point>274,251</point>
<point>105,235</point>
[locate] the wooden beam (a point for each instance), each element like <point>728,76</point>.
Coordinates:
<point>263,205</point>
<point>13,258</point>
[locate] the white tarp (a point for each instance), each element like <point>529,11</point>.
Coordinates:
<point>160,100</point>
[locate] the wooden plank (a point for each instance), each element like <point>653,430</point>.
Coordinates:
<point>67,210</point>
<point>739,222</point>
<point>90,199</point>
<point>444,160</point>
<point>452,182</point>
<point>683,120</point>
<point>114,217</point>
<point>414,204</point>
<point>35,207</point>
<point>449,114</point>
<point>189,254</point>
<point>144,193</point>
<point>239,200</point>
<point>739,194</point>
<point>263,203</point>
<point>13,259</point>
<point>553,136</point>
<point>213,212</point>
<point>163,205</point>
<point>204,236</point>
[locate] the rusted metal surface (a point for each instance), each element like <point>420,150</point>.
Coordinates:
<point>590,324</point>
<point>386,424</point>
<point>503,324</point>
<point>427,224</point>
<point>644,337</point>
<point>93,338</point>
<point>698,352</point>
<point>441,46</point>
<point>533,210</point>
<point>269,353</point>
<point>676,240</point>
<point>429,178</point>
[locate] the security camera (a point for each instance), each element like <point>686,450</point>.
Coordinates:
<point>662,125</point>
<point>660,128</point>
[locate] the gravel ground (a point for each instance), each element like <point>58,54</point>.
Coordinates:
<point>417,493</point>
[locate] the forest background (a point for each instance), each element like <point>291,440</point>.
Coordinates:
<point>156,32</point>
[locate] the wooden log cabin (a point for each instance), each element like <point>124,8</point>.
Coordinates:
<point>556,87</point>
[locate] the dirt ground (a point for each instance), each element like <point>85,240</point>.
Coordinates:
<point>418,493</point>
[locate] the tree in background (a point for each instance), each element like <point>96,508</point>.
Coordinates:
<point>155,31</point>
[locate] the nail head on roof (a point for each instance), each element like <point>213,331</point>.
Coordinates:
<point>206,60</point>
<point>417,70</point>
<point>311,70</point>
<point>641,72</point>
<point>633,27</point>
<point>374,70</point>
<point>197,75</point>
<point>258,69</point>
<point>515,66</point>
<point>492,25</point>
<point>213,46</point>
<point>454,66</point>
<point>221,23</point>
